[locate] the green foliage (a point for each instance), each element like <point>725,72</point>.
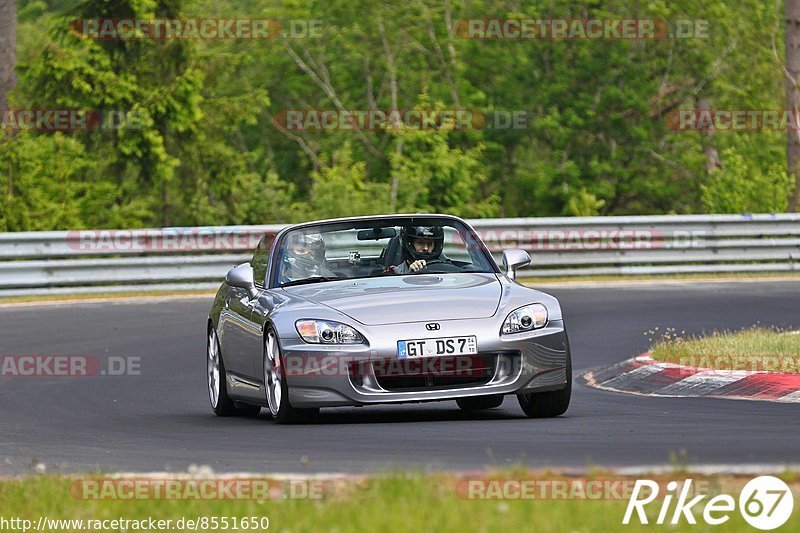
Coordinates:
<point>740,187</point>
<point>435,177</point>
<point>258,198</point>
<point>596,136</point>
<point>341,185</point>
<point>584,204</point>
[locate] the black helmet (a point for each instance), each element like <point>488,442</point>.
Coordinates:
<point>306,251</point>
<point>433,233</point>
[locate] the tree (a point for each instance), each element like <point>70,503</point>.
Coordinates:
<point>740,187</point>
<point>436,177</point>
<point>597,137</point>
<point>8,49</point>
<point>792,39</point>
<point>8,77</point>
<point>342,183</point>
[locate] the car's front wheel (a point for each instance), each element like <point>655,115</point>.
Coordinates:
<point>478,403</point>
<point>221,403</point>
<point>276,387</point>
<point>551,403</point>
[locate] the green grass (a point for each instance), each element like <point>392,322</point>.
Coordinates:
<point>757,349</point>
<point>400,502</point>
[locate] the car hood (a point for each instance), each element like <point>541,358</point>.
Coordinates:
<point>409,298</point>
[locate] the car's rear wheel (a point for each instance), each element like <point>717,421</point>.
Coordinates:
<point>221,403</point>
<point>478,403</point>
<point>551,403</point>
<point>276,387</point>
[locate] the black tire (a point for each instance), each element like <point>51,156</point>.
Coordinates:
<point>478,403</point>
<point>283,413</point>
<point>551,403</point>
<point>224,405</point>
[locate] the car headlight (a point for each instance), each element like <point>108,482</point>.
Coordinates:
<point>327,332</point>
<point>526,318</point>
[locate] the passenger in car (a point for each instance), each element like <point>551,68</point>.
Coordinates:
<point>305,258</point>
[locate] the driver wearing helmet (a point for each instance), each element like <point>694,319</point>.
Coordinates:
<point>421,245</point>
<point>304,258</point>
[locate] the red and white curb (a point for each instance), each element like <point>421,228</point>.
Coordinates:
<point>645,376</point>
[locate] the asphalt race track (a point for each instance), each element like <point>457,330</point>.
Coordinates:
<point>161,420</point>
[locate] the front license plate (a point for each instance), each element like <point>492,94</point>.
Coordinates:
<point>440,346</point>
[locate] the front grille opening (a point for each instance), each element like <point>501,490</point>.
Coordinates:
<point>432,373</point>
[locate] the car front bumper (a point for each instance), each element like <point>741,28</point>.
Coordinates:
<point>354,375</point>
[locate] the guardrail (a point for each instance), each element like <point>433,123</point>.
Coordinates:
<point>197,258</point>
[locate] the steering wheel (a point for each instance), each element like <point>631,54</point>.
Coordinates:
<point>442,268</point>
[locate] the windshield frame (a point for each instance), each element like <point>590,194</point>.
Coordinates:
<point>369,222</point>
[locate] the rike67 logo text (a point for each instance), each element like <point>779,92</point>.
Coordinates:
<point>765,503</point>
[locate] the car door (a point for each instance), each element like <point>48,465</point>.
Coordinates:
<point>242,347</point>
<point>263,306</point>
<point>239,330</point>
<point>253,343</point>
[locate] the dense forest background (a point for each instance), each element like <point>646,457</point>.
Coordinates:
<point>597,141</point>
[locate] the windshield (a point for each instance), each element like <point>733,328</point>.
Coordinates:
<point>389,247</point>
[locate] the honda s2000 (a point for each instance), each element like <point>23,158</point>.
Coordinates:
<point>383,309</point>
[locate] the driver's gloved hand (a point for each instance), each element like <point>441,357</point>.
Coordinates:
<point>417,265</point>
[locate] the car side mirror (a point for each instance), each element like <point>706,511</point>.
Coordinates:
<point>242,277</point>
<point>513,260</point>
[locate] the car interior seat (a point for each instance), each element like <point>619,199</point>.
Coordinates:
<point>394,253</point>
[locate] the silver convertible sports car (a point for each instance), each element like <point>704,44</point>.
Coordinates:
<point>383,309</point>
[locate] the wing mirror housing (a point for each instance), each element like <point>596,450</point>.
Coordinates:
<point>514,259</point>
<point>242,277</point>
